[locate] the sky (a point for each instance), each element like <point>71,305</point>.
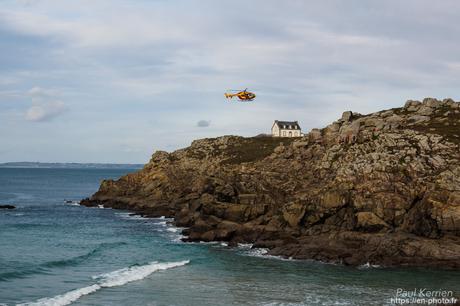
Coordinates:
<point>116,80</point>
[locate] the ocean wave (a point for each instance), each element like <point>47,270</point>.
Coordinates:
<point>111,279</point>
<point>79,259</point>
<point>64,299</point>
<point>22,273</point>
<point>68,262</point>
<point>126,275</point>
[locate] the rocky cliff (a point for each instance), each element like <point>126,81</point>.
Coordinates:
<point>382,188</point>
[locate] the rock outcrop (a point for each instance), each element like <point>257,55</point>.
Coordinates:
<point>7,206</point>
<point>382,188</point>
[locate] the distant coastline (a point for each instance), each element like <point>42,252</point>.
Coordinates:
<point>69,165</point>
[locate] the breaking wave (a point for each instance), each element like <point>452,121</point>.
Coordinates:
<point>111,279</point>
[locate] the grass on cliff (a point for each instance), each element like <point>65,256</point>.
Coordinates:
<point>447,126</point>
<point>254,149</point>
<point>242,150</point>
<point>441,124</point>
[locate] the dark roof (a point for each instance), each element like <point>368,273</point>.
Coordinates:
<point>288,125</point>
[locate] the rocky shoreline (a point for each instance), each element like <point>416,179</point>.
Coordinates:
<point>382,188</point>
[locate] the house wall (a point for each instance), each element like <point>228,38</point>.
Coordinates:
<point>295,133</point>
<point>277,132</point>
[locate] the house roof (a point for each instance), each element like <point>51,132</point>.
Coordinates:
<point>287,125</point>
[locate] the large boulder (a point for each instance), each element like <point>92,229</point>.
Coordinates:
<point>369,222</point>
<point>7,206</point>
<point>432,102</point>
<point>347,116</point>
<point>293,213</point>
<point>412,105</point>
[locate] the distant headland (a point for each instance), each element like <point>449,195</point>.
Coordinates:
<point>69,165</point>
<point>379,189</point>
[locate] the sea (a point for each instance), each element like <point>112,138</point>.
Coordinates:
<point>55,252</point>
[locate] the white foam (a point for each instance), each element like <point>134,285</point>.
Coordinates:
<point>368,266</point>
<point>70,202</point>
<point>100,206</point>
<point>111,279</point>
<point>178,238</point>
<point>260,252</point>
<point>73,203</point>
<point>64,299</point>
<point>130,216</point>
<point>175,233</point>
<point>126,275</point>
<point>207,242</point>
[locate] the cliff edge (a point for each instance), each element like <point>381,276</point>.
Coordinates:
<point>382,188</point>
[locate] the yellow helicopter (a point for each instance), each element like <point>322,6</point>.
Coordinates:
<point>243,95</point>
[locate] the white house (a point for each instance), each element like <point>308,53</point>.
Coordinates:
<point>286,129</point>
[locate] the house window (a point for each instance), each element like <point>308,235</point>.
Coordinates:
<point>284,133</point>
<point>290,134</point>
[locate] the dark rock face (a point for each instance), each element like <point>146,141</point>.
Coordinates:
<point>382,188</point>
<point>7,207</point>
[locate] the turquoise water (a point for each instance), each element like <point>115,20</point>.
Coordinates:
<point>53,253</point>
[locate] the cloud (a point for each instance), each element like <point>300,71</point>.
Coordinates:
<point>45,105</point>
<point>140,61</point>
<point>45,111</point>
<point>38,92</point>
<point>203,123</point>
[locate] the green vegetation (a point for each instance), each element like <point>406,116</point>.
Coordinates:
<point>253,149</point>
<point>237,149</point>
<point>447,126</point>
